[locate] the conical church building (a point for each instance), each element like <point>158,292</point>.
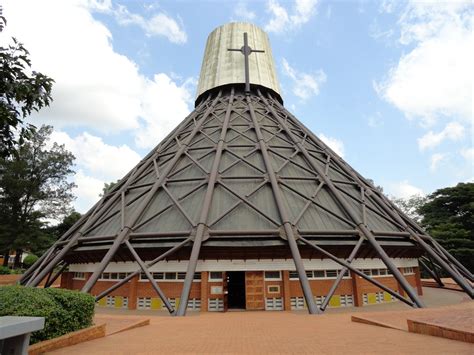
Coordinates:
<point>241,206</point>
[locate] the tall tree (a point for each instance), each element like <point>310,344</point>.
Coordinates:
<point>34,186</point>
<point>448,216</point>
<point>22,91</point>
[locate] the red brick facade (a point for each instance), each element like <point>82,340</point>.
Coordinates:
<point>287,289</point>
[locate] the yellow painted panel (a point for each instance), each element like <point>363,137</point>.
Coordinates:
<point>335,301</point>
<point>387,297</point>
<point>102,302</point>
<point>118,301</point>
<point>371,298</point>
<point>177,303</point>
<point>155,303</point>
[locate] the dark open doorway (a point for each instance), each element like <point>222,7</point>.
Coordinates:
<point>236,289</point>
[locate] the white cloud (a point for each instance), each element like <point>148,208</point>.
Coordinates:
<point>87,191</point>
<point>436,159</point>
<point>387,6</point>
<point>158,25</point>
<point>99,159</point>
<point>164,104</point>
<point>243,12</point>
<point>404,189</point>
<point>282,20</point>
<point>304,85</point>
<point>434,79</point>
<point>335,144</point>
<point>95,86</point>
<point>468,154</point>
<point>453,131</point>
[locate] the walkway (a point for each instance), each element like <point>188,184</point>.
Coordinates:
<point>267,333</point>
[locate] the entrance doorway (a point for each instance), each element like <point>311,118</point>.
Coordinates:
<point>236,289</point>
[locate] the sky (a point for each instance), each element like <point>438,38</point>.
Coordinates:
<point>387,84</point>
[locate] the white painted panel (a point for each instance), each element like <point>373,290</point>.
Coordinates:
<point>245,265</point>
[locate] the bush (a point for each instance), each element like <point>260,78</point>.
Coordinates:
<point>4,270</point>
<point>29,260</point>
<point>64,310</point>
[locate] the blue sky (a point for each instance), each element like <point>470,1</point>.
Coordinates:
<point>387,84</point>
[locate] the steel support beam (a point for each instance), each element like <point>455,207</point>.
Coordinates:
<point>432,273</point>
<point>341,274</point>
<point>150,277</point>
<point>99,209</point>
<point>277,194</point>
<point>124,234</point>
<point>347,209</point>
<point>384,204</point>
<point>360,273</point>
<point>203,218</point>
<point>148,265</point>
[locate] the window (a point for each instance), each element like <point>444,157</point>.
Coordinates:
<point>144,303</point>
<point>273,289</point>
<point>408,270</point>
<point>274,304</point>
<point>319,300</point>
<point>294,275</point>
<point>197,276</point>
<point>319,274</point>
<point>170,276</point>
<point>215,276</point>
<point>379,297</point>
<point>272,275</point>
<point>347,300</point>
<point>297,302</point>
<point>331,273</point>
<point>114,275</point>
<point>110,302</point>
<point>365,299</point>
<point>194,304</point>
<point>383,272</point>
<point>79,276</point>
<point>215,304</point>
<point>181,275</point>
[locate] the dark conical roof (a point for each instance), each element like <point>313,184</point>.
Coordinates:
<point>163,195</point>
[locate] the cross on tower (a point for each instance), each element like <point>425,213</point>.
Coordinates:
<point>246,51</point>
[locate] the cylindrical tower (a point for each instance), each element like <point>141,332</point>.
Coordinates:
<point>221,67</point>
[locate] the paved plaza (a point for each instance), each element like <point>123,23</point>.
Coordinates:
<point>273,333</point>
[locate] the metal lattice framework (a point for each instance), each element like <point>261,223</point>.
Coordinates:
<point>241,174</point>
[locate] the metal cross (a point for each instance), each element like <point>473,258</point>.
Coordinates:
<point>246,51</point>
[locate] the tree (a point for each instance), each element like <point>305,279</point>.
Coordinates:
<point>22,91</point>
<point>34,186</point>
<point>108,187</point>
<point>448,216</point>
<point>410,206</point>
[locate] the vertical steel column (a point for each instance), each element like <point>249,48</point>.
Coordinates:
<point>308,294</point>
<point>202,224</point>
<point>345,207</point>
<point>123,235</point>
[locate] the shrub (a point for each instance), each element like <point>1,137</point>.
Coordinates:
<point>64,310</point>
<point>4,270</point>
<point>29,260</point>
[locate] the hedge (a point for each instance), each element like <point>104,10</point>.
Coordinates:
<point>64,310</point>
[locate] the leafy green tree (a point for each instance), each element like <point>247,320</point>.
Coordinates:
<point>448,216</point>
<point>22,91</point>
<point>34,186</point>
<point>108,187</point>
